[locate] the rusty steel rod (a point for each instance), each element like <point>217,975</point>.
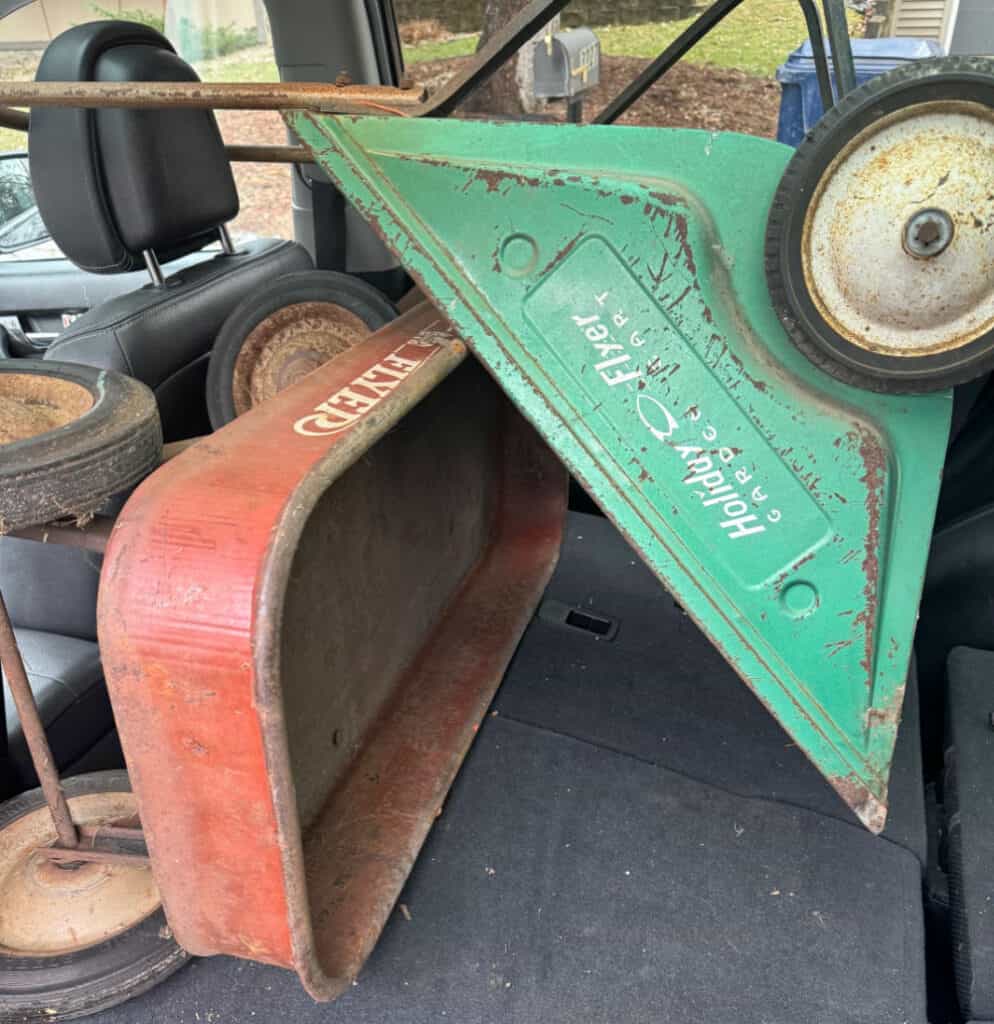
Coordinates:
<point>92,536</point>
<point>34,732</point>
<point>96,856</point>
<point>103,844</point>
<point>19,120</point>
<point>404,102</point>
<point>15,119</point>
<point>93,833</point>
<point>248,154</point>
<point>320,97</point>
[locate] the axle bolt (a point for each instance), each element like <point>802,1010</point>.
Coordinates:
<point>928,233</point>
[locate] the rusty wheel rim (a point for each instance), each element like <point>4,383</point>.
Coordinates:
<point>288,345</point>
<point>48,910</point>
<point>897,247</point>
<point>33,403</point>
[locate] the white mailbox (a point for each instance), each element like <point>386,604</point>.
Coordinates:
<point>567,64</point>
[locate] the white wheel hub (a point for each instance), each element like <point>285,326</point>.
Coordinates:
<point>47,909</point>
<point>898,243</point>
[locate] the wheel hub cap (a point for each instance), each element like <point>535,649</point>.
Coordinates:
<point>32,404</point>
<point>288,345</point>
<point>898,247</point>
<point>46,909</point>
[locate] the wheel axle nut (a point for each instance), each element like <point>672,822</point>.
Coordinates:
<point>928,233</point>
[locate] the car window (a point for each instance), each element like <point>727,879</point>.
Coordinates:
<point>225,41</point>
<point>16,196</point>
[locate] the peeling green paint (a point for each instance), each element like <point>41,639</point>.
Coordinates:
<point>612,281</point>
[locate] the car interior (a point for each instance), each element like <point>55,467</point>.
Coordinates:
<point>632,837</point>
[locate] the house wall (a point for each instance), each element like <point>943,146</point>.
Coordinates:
<point>973,32</point>
<point>922,19</point>
<point>964,27</point>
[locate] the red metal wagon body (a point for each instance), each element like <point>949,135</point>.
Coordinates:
<point>303,619</point>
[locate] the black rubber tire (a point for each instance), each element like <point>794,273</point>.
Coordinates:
<point>345,290</point>
<point>53,988</point>
<point>74,469</point>
<point>958,78</point>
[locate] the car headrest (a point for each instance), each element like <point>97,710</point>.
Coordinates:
<point>111,183</point>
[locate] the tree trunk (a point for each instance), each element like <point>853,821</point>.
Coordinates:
<point>508,91</point>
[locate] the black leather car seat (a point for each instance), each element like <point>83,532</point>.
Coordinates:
<point>120,190</point>
<point>123,189</point>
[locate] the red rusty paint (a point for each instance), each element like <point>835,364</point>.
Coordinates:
<point>874,460</point>
<point>871,811</point>
<point>190,580</point>
<point>559,256</point>
<point>495,179</point>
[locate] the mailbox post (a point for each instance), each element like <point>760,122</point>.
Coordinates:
<point>567,64</point>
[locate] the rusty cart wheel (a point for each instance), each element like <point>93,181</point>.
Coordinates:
<point>70,438</point>
<point>880,240</point>
<point>76,938</point>
<point>282,333</point>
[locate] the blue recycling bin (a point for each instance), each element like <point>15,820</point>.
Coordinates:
<point>800,102</point>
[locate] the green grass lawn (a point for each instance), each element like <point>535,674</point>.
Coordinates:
<point>254,65</point>
<point>11,141</point>
<point>756,38</point>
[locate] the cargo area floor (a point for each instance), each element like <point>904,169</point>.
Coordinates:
<point>632,838</point>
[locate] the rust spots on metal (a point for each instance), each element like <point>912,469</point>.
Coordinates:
<point>668,199</point>
<point>34,732</point>
<point>871,811</point>
<point>676,302</point>
<point>562,253</point>
<point>890,714</point>
<point>680,226</point>
<point>760,385</point>
<point>835,646</point>
<point>675,222</point>
<point>501,181</point>
<point>874,460</point>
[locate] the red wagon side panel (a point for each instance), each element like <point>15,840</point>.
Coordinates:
<point>267,838</point>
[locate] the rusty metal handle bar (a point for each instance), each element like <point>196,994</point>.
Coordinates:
<point>18,120</point>
<point>319,97</point>
<point>341,99</point>
<point>34,732</point>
